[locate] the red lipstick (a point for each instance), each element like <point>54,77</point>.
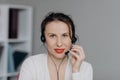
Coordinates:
<point>59,51</point>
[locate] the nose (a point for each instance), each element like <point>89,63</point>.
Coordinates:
<point>59,42</point>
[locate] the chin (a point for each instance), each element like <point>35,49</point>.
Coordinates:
<point>60,56</point>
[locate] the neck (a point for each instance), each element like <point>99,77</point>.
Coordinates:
<point>58,65</point>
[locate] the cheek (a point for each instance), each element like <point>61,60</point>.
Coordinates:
<point>50,43</point>
<point>68,43</point>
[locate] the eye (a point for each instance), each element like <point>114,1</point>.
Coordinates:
<point>65,35</point>
<point>52,35</point>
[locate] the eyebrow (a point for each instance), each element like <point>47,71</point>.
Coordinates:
<point>62,33</point>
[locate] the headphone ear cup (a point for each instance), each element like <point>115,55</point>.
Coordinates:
<point>42,38</point>
<point>74,39</point>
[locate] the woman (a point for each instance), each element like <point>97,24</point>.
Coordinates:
<point>64,60</point>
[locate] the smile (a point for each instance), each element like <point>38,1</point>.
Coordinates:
<point>59,51</point>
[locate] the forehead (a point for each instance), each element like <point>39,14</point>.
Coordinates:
<point>57,27</point>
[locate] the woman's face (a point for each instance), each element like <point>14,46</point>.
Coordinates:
<point>58,39</point>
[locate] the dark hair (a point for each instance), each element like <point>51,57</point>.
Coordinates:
<point>58,17</point>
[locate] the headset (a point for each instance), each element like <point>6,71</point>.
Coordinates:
<point>52,16</point>
<point>74,39</point>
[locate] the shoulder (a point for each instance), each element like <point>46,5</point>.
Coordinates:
<point>37,56</point>
<point>86,66</point>
<point>35,59</point>
<point>86,72</point>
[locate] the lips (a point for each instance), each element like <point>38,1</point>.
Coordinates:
<point>59,51</point>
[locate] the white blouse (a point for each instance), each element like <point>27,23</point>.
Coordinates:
<point>36,68</point>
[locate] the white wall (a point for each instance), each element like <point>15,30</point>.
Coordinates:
<point>97,24</point>
<point>2,1</point>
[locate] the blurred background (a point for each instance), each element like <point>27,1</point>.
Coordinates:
<point>97,24</point>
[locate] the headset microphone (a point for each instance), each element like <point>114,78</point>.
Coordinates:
<point>66,53</point>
